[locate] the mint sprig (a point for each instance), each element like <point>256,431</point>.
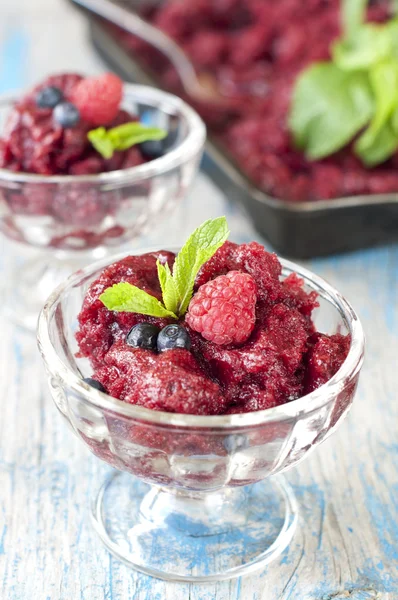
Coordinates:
<point>353,15</point>
<point>380,140</point>
<point>370,45</point>
<point>123,137</point>
<point>330,107</point>
<point>167,285</point>
<point>101,141</point>
<point>124,297</point>
<point>198,249</point>
<point>177,286</point>
<point>355,93</point>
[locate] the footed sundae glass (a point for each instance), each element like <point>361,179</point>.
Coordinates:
<point>75,219</point>
<point>195,498</point>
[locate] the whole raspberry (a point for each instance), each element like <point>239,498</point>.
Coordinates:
<point>224,309</point>
<point>98,98</point>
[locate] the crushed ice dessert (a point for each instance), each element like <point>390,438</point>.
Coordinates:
<point>212,330</point>
<point>63,135</point>
<point>255,53</point>
<point>57,128</point>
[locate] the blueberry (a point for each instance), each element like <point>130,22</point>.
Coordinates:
<point>143,335</point>
<point>66,114</point>
<point>157,148</point>
<point>95,384</point>
<point>49,97</point>
<point>173,336</point>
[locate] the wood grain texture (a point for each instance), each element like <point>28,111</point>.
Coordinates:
<point>346,545</point>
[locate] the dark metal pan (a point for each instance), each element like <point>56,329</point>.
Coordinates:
<point>299,230</point>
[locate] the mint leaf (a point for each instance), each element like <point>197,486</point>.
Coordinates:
<point>370,45</point>
<point>394,121</point>
<point>392,28</point>
<point>334,101</point>
<point>162,276</point>
<point>123,137</point>
<point>330,106</point>
<point>198,249</point>
<point>380,141</point>
<point>124,297</point>
<point>177,287</point>
<point>384,145</point>
<point>101,142</point>
<point>353,15</point>
<point>168,288</point>
<point>128,135</point>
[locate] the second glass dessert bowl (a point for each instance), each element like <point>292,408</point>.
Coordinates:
<point>195,500</point>
<point>77,218</point>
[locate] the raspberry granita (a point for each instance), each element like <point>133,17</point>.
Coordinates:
<point>253,51</point>
<point>70,126</point>
<point>34,141</point>
<point>244,342</point>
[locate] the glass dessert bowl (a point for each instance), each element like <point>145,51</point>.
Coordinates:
<point>252,53</point>
<point>74,218</point>
<point>195,500</point>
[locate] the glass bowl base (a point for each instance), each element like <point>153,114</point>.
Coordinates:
<point>194,536</point>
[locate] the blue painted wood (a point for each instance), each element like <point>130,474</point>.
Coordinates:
<point>13,60</point>
<point>347,541</point>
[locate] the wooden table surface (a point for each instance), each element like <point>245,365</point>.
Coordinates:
<point>346,545</point>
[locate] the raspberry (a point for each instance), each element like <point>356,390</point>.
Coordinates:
<point>224,309</point>
<point>98,98</point>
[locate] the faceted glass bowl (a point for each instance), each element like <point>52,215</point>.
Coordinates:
<point>76,218</point>
<point>195,501</point>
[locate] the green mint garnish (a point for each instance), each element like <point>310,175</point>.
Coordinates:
<point>123,137</point>
<point>335,101</point>
<point>353,15</point>
<point>198,249</point>
<point>367,47</point>
<point>177,286</point>
<point>124,297</point>
<point>167,285</point>
<point>380,140</point>
<point>101,141</point>
<point>330,107</point>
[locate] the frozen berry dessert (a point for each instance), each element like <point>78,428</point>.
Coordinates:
<point>254,53</point>
<point>212,330</point>
<point>74,128</point>
<point>53,129</point>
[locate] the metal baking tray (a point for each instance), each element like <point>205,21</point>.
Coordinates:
<point>298,230</point>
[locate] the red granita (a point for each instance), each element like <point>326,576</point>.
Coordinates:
<point>283,358</point>
<point>253,51</point>
<point>33,141</point>
<point>172,381</point>
<point>100,328</point>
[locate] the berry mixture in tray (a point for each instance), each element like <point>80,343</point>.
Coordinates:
<point>255,52</point>
<point>58,128</point>
<point>213,330</point>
